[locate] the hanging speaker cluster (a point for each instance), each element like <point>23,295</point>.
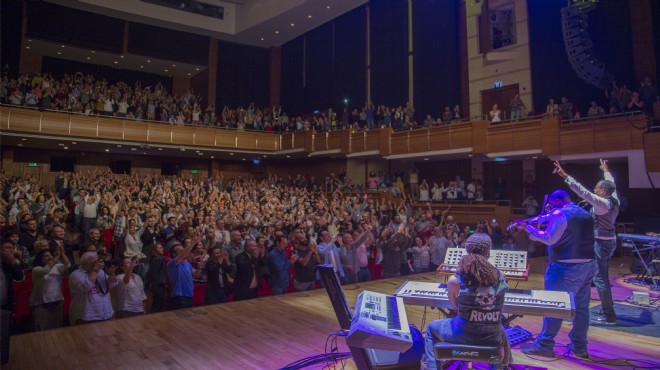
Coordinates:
<point>580,49</point>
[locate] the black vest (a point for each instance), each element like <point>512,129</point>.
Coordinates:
<point>604,224</point>
<point>577,242</point>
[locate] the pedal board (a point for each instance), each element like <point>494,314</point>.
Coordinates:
<point>517,335</point>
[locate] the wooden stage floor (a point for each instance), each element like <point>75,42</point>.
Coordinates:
<point>268,333</point>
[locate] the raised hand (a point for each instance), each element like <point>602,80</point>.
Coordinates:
<point>559,170</point>
<point>604,166</point>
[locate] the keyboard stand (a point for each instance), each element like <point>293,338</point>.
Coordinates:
<point>647,269</point>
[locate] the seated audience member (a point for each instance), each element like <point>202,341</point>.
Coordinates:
<point>180,273</point>
<point>46,299</point>
<point>476,294</point>
<point>218,276</point>
<point>130,290</point>
<point>90,290</point>
<point>248,265</point>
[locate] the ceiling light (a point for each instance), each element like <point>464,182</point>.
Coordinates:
<point>121,56</point>
<point>173,65</point>
<point>30,40</point>
<point>277,32</point>
<point>88,58</point>
<point>426,159</point>
<point>265,156</point>
<point>148,60</point>
<point>200,153</point>
<point>293,24</point>
<point>534,157</point>
<point>262,39</point>
<point>141,66</point>
<point>66,148</point>
<point>19,144</point>
<point>309,16</point>
<point>189,74</point>
<point>288,156</point>
<point>244,159</point>
<point>23,139</point>
<point>133,149</point>
<point>469,155</point>
<point>27,47</point>
<point>73,142</point>
<point>61,144</point>
<point>327,7</point>
<point>116,62</point>
<point>93,51</point>
<point>62,46</point>
<point>160,148</point>
<point>231,153</point>
<point>107,150</point>
<point>118,146</point>
<point>59,53</point>
<point>212,157</point>
<point>167,70</point>
<point>196,69</point>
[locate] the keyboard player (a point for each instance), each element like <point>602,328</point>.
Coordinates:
<point>476,293</point>
<point>569,236</point>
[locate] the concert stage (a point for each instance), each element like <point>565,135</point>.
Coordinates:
<point>269,333</point>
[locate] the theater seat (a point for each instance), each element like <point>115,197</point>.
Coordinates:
<point>198,295</point>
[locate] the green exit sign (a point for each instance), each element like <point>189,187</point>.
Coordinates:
<point>193,171</point>
<point>32,165</point>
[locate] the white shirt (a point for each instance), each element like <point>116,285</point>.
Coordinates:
<point>130,297</point>
<point>87,303</point>
<point>47,284</point>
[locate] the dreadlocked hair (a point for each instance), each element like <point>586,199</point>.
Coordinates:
<point>474,266</point>
<point>476,269</point>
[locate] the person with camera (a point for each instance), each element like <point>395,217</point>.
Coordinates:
<point>130,290</point>
<point>476,293</point>
<point>90,290</point>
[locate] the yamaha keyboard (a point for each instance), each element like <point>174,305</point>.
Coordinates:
<point>516,301</point>
<point>379,322</point>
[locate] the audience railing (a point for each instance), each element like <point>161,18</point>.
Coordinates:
<point>545,136</point>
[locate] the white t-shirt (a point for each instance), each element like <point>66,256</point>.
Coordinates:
<point>131,296</point>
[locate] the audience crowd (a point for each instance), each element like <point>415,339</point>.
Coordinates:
<point>123,240</point>
<point>88,95</point>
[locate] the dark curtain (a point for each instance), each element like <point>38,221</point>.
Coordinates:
<point>325,66</point>
<point>11,13</point>
<point>73,27</point>
<point>552,75</point>
<point>59,67</point>
<point>389,52</point>
<point>167,44</point>
<point>436,56</point>
<point>242,76</point>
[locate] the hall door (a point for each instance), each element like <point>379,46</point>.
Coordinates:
<point>501,96</point>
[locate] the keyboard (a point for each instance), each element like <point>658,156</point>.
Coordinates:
<point>513,264</point>
<point>379,322</point>
<point>516,301</point>
<point>638,238</point>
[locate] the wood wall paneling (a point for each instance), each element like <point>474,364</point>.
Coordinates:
<point>84,126</point>
<point>205,136</point>
<point>136,131</point>
<point>550,136</point>
<point>652,151</point>
<point>179,135</point>
<point>55,123</point>
<point>480,136</point>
